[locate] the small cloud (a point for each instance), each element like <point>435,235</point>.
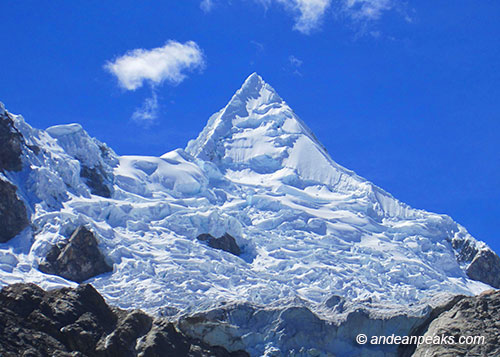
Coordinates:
<point>308,13</point>
<point>294,64</point>
<point>148,112</point>
<point>294,61</point>
<point>259,46</point>
<point>367,9</point>
<point>206,5</point>
<point>167,63</point>
<point>153,67</point>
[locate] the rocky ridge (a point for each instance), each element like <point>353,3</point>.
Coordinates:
<point>78,322</point>
<point>466,326</point>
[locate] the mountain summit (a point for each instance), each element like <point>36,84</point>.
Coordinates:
<point>257,136</point>
<point>253,215</point>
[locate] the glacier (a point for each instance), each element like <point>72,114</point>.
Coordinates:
<point>313,234</point>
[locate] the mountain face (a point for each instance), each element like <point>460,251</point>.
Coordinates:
<point>310,239</point>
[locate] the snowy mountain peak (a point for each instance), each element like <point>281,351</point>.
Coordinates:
<point>256,131</point>
<point>257,139</point>
<point>247,108</point>
<point>256,89</point>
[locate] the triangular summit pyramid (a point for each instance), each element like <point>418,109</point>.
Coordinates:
<point>258,133</point>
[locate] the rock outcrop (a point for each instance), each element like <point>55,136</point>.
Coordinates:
<point>483,264</point>
<point>13,215</point>
<point>466,326</point>
<point>485,267</point>
<point>78,259</point>
<point>11,143</point>
<point>95,178</point>
<point>226,242</point>
<point>78,322</point>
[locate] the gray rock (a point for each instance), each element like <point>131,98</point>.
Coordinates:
<point>122,341</point>
<point>474,317</point>
<point>226,243</point>
<point>11,144</point>
<point>78,322</point>
<point>483,264</point>
<point>96,179</point>
<point>485,267</point>
<point>78,259</point>
<point>13,216</point>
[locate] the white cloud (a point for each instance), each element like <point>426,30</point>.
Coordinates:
<point>148,113</point>
<point>294,61</point>
<point>367,9</point>
<point>207,5</point>
<point>308,13</point>
<point>167,63</point>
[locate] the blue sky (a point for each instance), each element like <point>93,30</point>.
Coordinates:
<point>405,93</point>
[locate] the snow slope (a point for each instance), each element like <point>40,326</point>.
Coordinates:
<point>309,228</point>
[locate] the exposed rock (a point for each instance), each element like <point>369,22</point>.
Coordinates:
<point>483,263</point>
<point>78,322</point>
<point>164,340</point>
<point>13,216</point>
<point>78,259</point>
<point>465,317</point>
<point>38,322</point>
<point>11,144</point>
<point>95,178</point>
<point>226,242</point>
<point>122,341</point>
<point>485,267</point>
<point>465,250</point>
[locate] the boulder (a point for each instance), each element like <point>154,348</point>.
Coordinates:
<point>78,259</point>
<point>13,216</point>
<point>226,242</point>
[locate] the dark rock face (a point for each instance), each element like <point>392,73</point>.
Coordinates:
<point>78,322</point>
<point>485,267</point>
<point>78,259</point>
<point>49,323</point>
<point>474,317</point>
<point>13,216</point>
<point>465,250</point>
<point>95,180</point>
<point>226,242</point>
<point>11,145</point>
